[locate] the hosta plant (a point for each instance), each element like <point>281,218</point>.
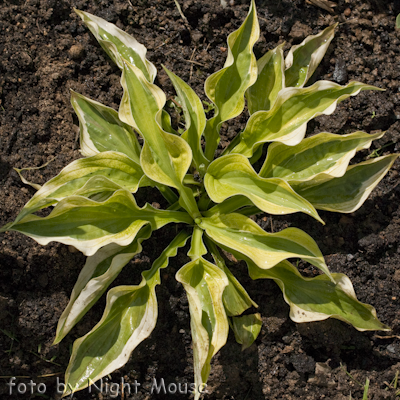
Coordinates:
<point>210,199</point>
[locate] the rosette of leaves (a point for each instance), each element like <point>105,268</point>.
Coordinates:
<point>211,199</point>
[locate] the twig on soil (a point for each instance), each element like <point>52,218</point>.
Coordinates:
<point>129,1</point>
<point>191,67</point>
<point>183,17</point>
<point>387,337</point>
<point>194,62</point>
<point>50,375</point>
<point>175,102</point>
<point>43,359</point>
<point>161,45</point>
<point>325,4</point>
<point>166,41</point>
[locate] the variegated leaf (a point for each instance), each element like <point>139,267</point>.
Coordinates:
<point>195,119</point>
<point>89,225</point>
<point>233,175</point>
<point>304,58</point>
<point>226,88</point>
<point>316,299</point>
<point>246,329</point>
<point>348,192</point>
<point>270,80</point>
<point>204,284</point>
<point>324,154</point>
<point>165,157</point>
<point>118,44</point>
<point>236,299</point>
<point>287,121</point>
<point>101,129</point>
<point>98,273</point>
<point>241,234</point>
<point>129,318</point>
<point>117,169</point>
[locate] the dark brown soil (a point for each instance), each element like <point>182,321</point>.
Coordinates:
<point>45,51</point>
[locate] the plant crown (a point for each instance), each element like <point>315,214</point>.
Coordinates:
<point>211,199</point>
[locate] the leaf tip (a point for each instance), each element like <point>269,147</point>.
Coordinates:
<point>57,339</point>
<point>80,13</point>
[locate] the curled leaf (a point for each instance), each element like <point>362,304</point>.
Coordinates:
<point>324,154</point>
<point>226,87</point>
<point>286,122</point>
<point>102,130</point>
<point>129,318</point>
<point>319,298</point>
<point>165,157</point>
<point>246,329</point>
<point>270,81</point>
<point>89,225</point>
<point>104,172</point>
<point>240,234</point>
<point>304,58</point>
<point>204,284</point>
<point>233,175</point>
<point>348,192</point>
<point>97,274</point>
<point>119,44</point>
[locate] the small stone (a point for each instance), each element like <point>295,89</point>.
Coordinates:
<point>197,36</point>
<point>76,52</point>
<point>299,31</point>
<point>288,349</point>
<point>322,375</point>
<point>391,349</point>
<point>340,72</point>
<point>396,276</point>
<point>322,369</point>
<point>347,12</point>
<point>302,363</point>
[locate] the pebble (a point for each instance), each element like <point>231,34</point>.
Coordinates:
<point>302,363</point>
<point>391,348</point>
<point>340,72</point>
<point>77,51</point>
<point>347,12</point>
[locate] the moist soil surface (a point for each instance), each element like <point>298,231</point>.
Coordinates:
<point>45,51</point>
